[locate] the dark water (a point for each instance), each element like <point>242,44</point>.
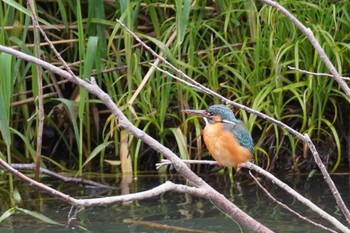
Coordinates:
<point>178,210</point>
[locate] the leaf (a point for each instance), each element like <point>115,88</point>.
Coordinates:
<point>7,214</point>
<point>17,196</point>
<point>24,10</point>
<point>73,115</point>
<point>90,56</point>
<point>26,141</point>
<point>39,216</point>
<point>97,151</point>
<point>113,162</point>
<point>183,12</point>
<point>6,87</point>
<point>161,46</point>
<point>181,142</point>
<point>4,124</point>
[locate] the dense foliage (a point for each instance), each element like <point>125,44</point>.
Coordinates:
<point>240,49</point>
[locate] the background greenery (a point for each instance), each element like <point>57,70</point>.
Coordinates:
<point>238,48</point>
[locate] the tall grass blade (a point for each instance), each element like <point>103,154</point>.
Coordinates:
<point>7,80</point>
<point>39,216</point>
<point>96,152</point>
<point>181,142</point>
<point>24,10</point>
<point>183,9</point>
<point>8,213</point>
<point>4,122</point>
<point>72,114</point>
<point>91,48</point>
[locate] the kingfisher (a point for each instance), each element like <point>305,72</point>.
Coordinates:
<point>226,138</point>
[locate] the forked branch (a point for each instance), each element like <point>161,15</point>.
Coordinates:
<point>279,183</point>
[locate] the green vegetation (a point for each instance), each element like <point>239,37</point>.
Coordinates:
<point>240,49</point>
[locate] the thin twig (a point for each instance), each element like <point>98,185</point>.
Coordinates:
<point>173,76</point>
<point>40,106</point>
<point>166,162</point>
<point>149,49</point>
<point>150,72</point>
<point>30,166</point>
<point>297,195</point>
<point>313,73</point>
<point>52,47</point>
<point>327,177</point>
<point>31,99</point>
<point>165,187</point>
<point>287,207</point>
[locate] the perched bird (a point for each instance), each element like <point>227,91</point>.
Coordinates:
<point>226,137</point>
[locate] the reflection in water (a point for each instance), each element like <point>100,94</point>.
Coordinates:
<point>183,212</point>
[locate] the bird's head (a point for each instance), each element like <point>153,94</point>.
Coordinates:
<point>215,113</point>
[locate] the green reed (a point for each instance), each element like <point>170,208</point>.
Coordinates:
<point>240,49</point>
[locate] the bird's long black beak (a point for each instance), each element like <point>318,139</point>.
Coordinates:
<point>202,113</point>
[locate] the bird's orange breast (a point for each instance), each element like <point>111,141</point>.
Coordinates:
<point>223,146</point>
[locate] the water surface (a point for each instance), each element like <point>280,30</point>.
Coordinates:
<point>164,213</point>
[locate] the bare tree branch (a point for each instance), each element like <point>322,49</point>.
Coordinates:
<point>279,183</point>
<point>287,207</point>
<point>165,187</point>
<point>328,179</point>
<point>309,34</point>
<point>298,196</point>
<point>149,73</point>
<point>313,73</point>
<point>165,162</point>
<point>31,166</point>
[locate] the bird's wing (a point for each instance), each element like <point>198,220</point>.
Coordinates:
<point>241,133</point>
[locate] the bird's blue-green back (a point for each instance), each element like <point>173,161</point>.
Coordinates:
<point>238,128</point>
<point>242,134</point>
